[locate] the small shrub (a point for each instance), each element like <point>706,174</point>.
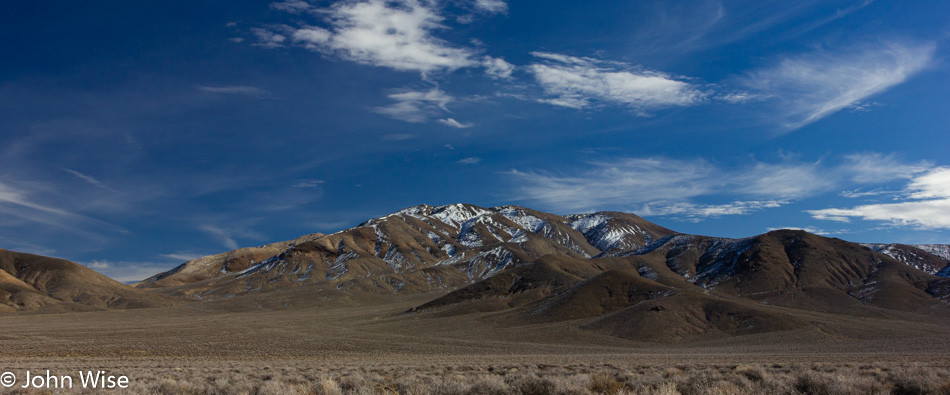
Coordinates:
<point>533,385</point>
<point>605,383</point>
<point>812,384</point>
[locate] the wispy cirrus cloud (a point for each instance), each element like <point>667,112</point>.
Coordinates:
<point>584,82</point>
<point>492,6</point>
<point>623,182</point>
<point>697,212</point>
<point>872,167</point>
<point>91,180</point>
<point>671,187</point>
<point>810,87</point>
<point>234,90</point>
<point>455,124</point>
<point>925,204</point>
<point>228,236</point>
<point>23,204</point>
<point>474,160</point>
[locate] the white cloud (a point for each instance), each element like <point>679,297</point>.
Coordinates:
<point>233,90</point>
<point>742,97</point>
<point>268,39</point>
<point>20,203</point>
<point>492,6</point>
<point>91,180</point>
<point>308,183</point>
<point>497,68</point>
<point>398,137</point>
<point>859,193</point>
<point>696,212</point>
<point>620,183</point>
<point>784,180</point>
<point>581,82</point>
<point>416,106</point>
<point>875,167</point>
<point>664,186</point>
<point>811,87</point>
<point>223,236</point>
<point>395,34</point>
<point>926,204</point>
<point>292,6</point>
<point>455,124</point>
<point>470,161</point>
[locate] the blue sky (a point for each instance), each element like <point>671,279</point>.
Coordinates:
<point>136,135</point>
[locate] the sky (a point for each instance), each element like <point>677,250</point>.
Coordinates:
<point>137,135</point>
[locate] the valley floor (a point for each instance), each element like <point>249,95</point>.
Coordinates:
<point>231,347</point>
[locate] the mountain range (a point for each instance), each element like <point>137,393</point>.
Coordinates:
<point>608,272</point>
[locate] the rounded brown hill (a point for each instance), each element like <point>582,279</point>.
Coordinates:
<point>32,282</point>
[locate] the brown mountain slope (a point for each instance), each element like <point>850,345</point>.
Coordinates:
<point>418,249</point>
<point>217,265</point>
<point>799,270</point>
<point>30,282</point>
<point>686,287</point>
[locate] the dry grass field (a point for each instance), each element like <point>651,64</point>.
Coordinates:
<point>255,345</point>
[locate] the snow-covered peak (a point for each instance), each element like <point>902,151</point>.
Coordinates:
<point>457,214</point>
<point>604,232</point>
<point>585,222</point>
<point>521,217</point>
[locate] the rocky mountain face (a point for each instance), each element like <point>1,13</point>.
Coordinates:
<point>684,287</point>
<point>931,258</point>
<point>418,249</point>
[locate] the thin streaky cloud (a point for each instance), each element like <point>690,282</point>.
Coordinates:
<point>19,203</point>
<point>233,90</point>
<point>668,187</point>
<point>697,212</point>
<point>223,236</point>
<point>455,124</point>
<point>470,161</point>
<point>810,87</point>
<point>91,180</point>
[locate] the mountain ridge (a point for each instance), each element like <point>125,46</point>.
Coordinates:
<point>608,272</point>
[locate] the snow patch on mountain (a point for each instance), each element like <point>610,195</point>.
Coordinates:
<point>457,214</point>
